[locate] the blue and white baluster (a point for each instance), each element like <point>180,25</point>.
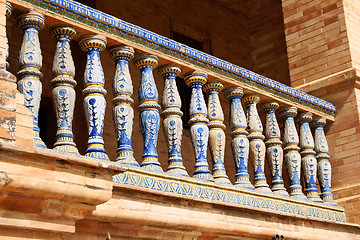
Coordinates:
<point>7,14</point>
<point>123,113</point>
<point>172,122</point>
<point>216,132</point>
<point>239,143</point>
<point>199,130</point>
<point>257,145</point>
<point>292,156</point>
<point>149,111</point>
<point>63,93</point>
<point>322,156</point>
<point>308,160</point>
<point>30,63</point>
<point>94,92</point>
<point>274,151</point>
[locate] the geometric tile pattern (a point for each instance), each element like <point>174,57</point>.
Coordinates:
<point>216,194</point>
<point>83,14</point>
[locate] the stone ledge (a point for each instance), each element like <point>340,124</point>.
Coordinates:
<point>57,189</point>
<point>189,188</point>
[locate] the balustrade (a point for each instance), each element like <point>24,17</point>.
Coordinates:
<point>94,92</point>
<point>216,132</point>
<point>274,151</point>
<point>292,156</point>
<point>206,122</point>
<point>239,143</point>
<point>64,93</point>
<point>30,63</point>
<point>149,111</point>
<point>256,146</point>
<point>308,160</point>
<point>123,113</point>
<point>172,123</point>
<point>198,121</point>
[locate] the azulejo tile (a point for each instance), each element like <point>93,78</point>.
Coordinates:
<point>203,192</point>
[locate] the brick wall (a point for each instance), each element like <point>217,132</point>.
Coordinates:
<point>267,39</point>
<point>316,39</point>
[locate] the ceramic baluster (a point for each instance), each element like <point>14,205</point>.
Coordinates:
<point>123,113</point>
<point>274,151</point>
<point>308,160</point>
<point>149,111</point>
<point>256,146</point>
<point>30,63</point>
<point>239,143</point>
<point>199,130</point>
<point>216,132</point>
<point>292,156</point>
<point>63,89</point>
<point>322,156</point>
<point>7,14</point>
<point>172,122</point>
<point>94,95</point>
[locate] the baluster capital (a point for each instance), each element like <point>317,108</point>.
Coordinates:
<point>142,61</point>
<point>288,112</point>
<point>63,32</point>
<point>247,100</point>
<point>304,117</point>
<point>235,92</point>
<point>195,79</point>
<point>118,53</point>
<point>169,71</point>
<point>270,106</point>
<point>31,20</point>
<point>93,43</point>
<point>213,87</point>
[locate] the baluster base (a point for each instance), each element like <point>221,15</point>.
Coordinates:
<point>38,142</point>
<point>130,161</point>
<point>204,176</point>
<point>178,172</point>
<point>151,164</point>
<point>176,168</point>
<point>314,197</point>
<point>328,200</point>
<point>277,186</point>
<point>222,181</point>
<point>243,182</point>
<point>99,155</point>
<point>67,148</point>
<point>296,193</point>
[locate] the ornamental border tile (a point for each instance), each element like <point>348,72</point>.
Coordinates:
<point>117,27</point>
<point>211,193</point>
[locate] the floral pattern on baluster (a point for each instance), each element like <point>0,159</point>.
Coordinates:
<point>30,62</point>
<point>123,113</point>
<point>94,92</point>
<point>199,130</point>
<point>216,132</point>
<point>322,156</point>
<point>256,145</point>
<point>149,111</point>
<point>308,160</point>
<point>7,14</point>
<point>172,122</point>
<point>63,89</point>
<point>274,151</point>
<point>292,156</point>
<point>239,143</point>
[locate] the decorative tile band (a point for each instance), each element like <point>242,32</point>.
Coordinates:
<point>112,25</point>
<point>206,192</point>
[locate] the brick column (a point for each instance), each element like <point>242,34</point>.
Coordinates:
<point>324,60</point>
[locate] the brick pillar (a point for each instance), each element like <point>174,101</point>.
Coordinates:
<point>15,118</point>
<point>324,60</point>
